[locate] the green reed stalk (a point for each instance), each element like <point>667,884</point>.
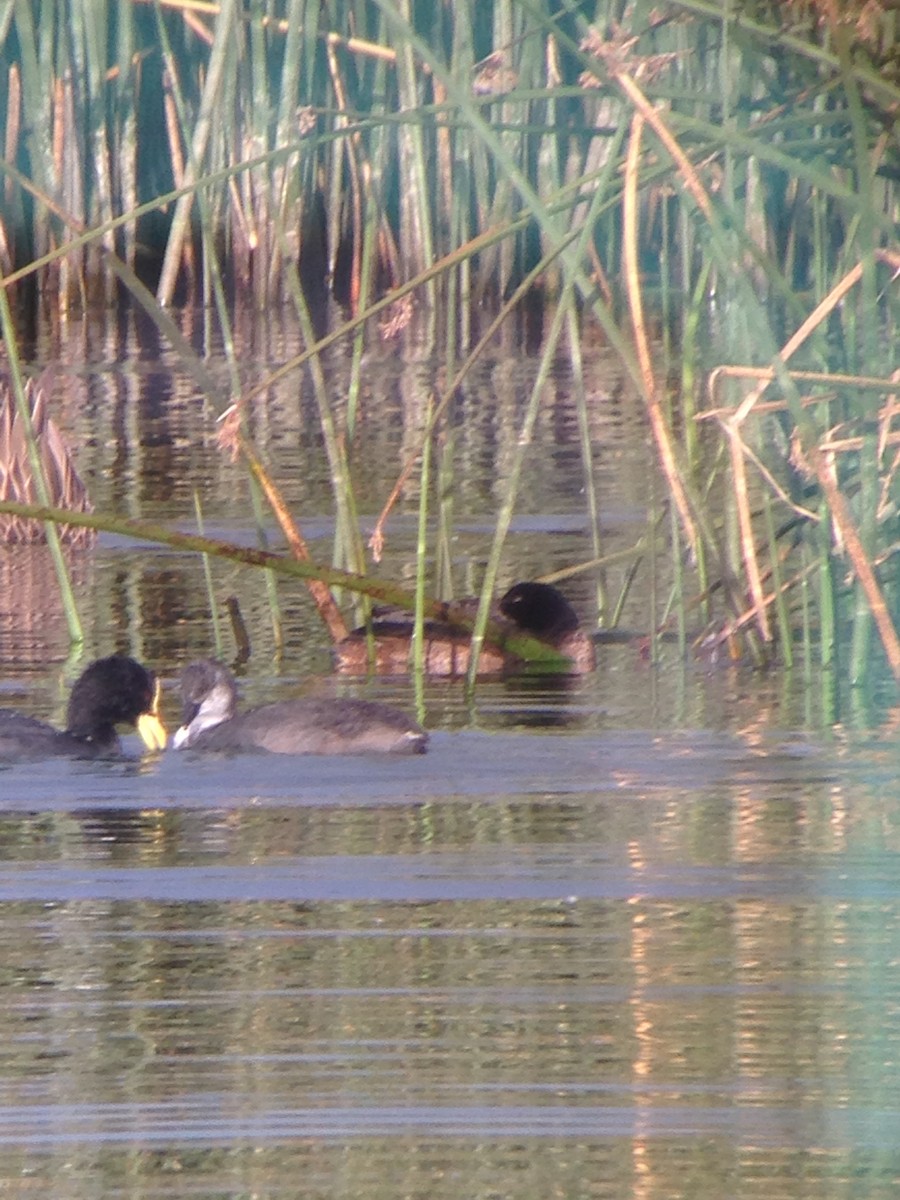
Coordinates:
<point>460,324</point>
<point>208,579</point>
<point>806,618</point>
<point>380,163</point>
<point>654,624</point>
<point>287,187</point>
<point>628,581</point>
<point>123,135</point>
<point>444,481</point>
<point>827,614</point>
<point>690,356</point>
<point>97,133</point>
<point>335,218</point>
<point>372,222</point>
<point>262,541</point>
<point>260,199</point>
<point>584,434</point>
<point>785,638</point>
<point>74,175</point>
<point>213,282</point>
<point>37,72</point>
<point>868,475</point>
<point>678,580</point>
<point>212,275</point>
<point>417,245</point>
<point>509,138</point>
<point>510,496</point>
<point>422,550</point>
<point>863,625</point>
<point>348,542</point>
<point>551,147</point>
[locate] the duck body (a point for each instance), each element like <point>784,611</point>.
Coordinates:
<point>445,650</point>
<point>538,610</point>
<point>310,726</point>
<point>112,691</point>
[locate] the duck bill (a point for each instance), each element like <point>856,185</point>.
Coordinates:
<point>150,727</point>
<point>152,731</point>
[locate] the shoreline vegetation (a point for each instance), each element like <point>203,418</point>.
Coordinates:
<point>712,187</point>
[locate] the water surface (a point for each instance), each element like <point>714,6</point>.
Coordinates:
<point>635,937</point>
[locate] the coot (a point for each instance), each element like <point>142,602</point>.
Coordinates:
<point>112,691</point>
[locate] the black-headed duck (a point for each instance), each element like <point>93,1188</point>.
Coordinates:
<point>537,609</point>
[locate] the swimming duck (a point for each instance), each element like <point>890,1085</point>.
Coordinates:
<point>537,609</point>
<point>111,691</point>
<point>313,726</point>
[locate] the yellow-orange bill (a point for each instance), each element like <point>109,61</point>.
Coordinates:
<point>150,727</point>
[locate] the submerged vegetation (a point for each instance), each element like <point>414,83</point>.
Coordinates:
<point>714,186</point>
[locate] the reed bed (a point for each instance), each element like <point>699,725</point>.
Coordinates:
<point>715,186</point>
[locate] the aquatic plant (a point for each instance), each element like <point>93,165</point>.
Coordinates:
<point>713,186</point>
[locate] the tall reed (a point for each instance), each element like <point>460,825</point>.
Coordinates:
<point>735,166</point>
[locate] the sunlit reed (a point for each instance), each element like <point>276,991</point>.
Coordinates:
<point>709,186</point>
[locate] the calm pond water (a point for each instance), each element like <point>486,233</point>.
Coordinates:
<point>636,937</point>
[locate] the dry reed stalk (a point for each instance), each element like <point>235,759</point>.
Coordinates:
<point>750,615</point>
<point>200,138</point>
<point>64,269</point>
<point>767,375</point>
<point>657,124</point>
<point>188,6</point>
<point>745,523</point>
<point>840,514</point>
<point>354,150</point>
<point>843,445</point>
<point>815,318</point>
<point>814,455</point>
<point>13,123</point>
<point>188,9</point>
<point>10,151</point>
<point>176,158</point>
<point>198,27</point>
<point>5,251</point>
<point>443,153</point>
<point>633,288</point>
<point>232,439</point>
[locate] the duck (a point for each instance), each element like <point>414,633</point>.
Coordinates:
<point>530,607</point>
<point>112,691</point>
<point>309,726</point>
